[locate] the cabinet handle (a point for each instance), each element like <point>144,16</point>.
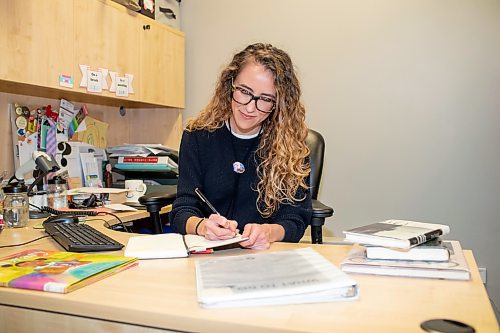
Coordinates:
<point>146,27</point>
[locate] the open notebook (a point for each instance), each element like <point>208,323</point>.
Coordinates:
<point>172,245</point>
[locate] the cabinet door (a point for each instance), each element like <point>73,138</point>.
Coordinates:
<point>107,36</point>
<point>162,65</point>
<point>36,41</point>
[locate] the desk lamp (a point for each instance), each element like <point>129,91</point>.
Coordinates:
<point>42,162</point>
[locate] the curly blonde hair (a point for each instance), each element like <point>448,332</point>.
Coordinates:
<point>283,168</point>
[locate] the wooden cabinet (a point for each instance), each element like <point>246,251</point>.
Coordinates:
<point>107,37</point>
<point>162,65</point>
<point>36,41</point>
<point>40,40</point>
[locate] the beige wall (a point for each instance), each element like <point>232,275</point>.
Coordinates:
<point>406,93</point>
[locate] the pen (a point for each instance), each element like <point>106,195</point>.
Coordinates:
<point>205,200</point>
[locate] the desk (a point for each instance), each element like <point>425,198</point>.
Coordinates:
<point>160,296</point>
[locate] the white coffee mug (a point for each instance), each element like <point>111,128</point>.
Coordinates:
<point>135,189</point>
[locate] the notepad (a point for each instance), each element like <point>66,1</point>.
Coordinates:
<point>172,245</point>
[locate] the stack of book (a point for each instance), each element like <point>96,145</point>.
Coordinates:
<point>150,163</point>
<point>405,248</point>
<point>143,157</point>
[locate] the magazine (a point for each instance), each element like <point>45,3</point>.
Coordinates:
<point>57,271</point>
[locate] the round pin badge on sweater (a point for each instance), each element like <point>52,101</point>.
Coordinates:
<point>238,167</point>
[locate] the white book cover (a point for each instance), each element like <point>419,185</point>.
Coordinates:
<point>284,277</point>
<point>396,233</point>
<point>455,268</point>
<point>172,245</point>
<point>433,250</point>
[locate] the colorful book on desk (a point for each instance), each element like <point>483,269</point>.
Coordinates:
<point>58,272</point>
<point>396,233</point>
<point>283,277</point>
<point>433,250</point>
<point>173,245</point>
<point>455,268</point>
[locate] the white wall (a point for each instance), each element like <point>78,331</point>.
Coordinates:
<point>406,93</point>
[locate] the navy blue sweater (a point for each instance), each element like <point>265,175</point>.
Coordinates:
<point>206,161</point>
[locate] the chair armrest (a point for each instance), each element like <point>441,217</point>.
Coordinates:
<point>321,210</point>
<point>154,201</point>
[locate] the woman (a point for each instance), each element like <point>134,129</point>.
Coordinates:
<point>246,153</point>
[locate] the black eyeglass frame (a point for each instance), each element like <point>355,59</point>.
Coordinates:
<point>253,98</point>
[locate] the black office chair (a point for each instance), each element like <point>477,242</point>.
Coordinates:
<point>316,145</point>
<point>155,201</point>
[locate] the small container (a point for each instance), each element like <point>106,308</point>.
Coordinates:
<point>15,205</point>
<point>57,193</point>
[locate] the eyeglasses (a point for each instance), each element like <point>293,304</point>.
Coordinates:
<point>244,96</point>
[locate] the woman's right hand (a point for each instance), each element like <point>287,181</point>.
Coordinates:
<point>217,227</point>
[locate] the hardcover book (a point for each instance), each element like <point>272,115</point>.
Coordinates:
<point>433,250</point>
<point>282,277</point>
<point>144,166</point>
<point>165,160</point>
<point>172,245</point>
<point>396,233</point>
<point>455,268</point>
<point>58,272</point>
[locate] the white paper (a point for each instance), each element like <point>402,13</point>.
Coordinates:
<point>95,190</point>
<point>120,207</point>
<point>94,81</point>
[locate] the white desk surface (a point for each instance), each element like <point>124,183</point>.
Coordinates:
<point>160,295</point>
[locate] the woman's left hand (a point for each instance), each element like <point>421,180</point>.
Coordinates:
<point>260,236</point>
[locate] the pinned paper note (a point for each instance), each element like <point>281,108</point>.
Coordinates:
<point>84,69</point>
<point>94,134</point>
<point>77,120</point>
<point>121,85</point>
<point>94,81</point>
<point>65,81</point>
<point>104,82</point>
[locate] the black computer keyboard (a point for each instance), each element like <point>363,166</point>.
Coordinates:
<point>76,237</point>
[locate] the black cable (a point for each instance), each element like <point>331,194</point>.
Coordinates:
<point>109,226</point>
<point>31,241</point>
<point>119,219</point>
<point>72,212</point>
<point>40,209</point>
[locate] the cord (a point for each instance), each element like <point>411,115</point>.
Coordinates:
<point>31,241</point>
<point>109,226</point>
<point>35,206</point>
<point>119,219</point>
<point>80,212</point>
<point>73,212</point>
